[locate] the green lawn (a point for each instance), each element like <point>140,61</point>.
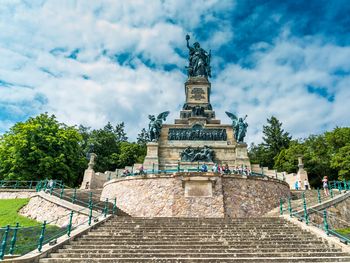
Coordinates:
<point>29,232</point>
<point>9,213</point>
<point>344,231</point>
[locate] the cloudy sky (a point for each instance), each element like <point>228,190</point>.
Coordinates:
<point>90,62</point>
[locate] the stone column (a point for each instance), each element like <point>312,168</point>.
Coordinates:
<point>302,174</point>
<point>152,157</point>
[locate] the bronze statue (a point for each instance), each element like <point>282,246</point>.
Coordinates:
<point>205,154</point>
<point>199,60</point>
<point>239,126</point>
<point>155,125</point>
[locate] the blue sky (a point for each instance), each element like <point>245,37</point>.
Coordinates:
<point>90,62</point>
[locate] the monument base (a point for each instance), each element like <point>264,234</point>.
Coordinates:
<point>182,194</point>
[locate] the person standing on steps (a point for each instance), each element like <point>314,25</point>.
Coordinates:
<point>306,184</point>
<point>325,185</point>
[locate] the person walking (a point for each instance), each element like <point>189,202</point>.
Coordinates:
<point>325,185</point>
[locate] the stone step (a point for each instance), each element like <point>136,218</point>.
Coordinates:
<point>189,242</point>
<point>193,260</point>
<point>192,250</point>
<point>196,255</point>
<point>201,246</point>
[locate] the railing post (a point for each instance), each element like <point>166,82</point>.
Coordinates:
<point>31,184</point>
<point>42,235</point>
<point>339,187</point>
<point>281,206</point>
<point>45,185</point>
<point>178,166</point>
<point>90,212</point>
<point>16,184</point>
<point>69,229</point>
<point>106,207</point>
<point>325,223</point>
<point>152,168</point>
<point>289,207</point>
<point>74,195</point>
<point>4,241</point>
<point>319,196</point>
<point>62,191</point>
<point>306,216</point>
<point>114,205</point>
<point>345,187</point>
<point>331,192</point>
<point>14,239</point>
<point>197,166</point>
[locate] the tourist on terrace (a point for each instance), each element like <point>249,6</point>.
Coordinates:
<point>306,184</point>
<point>126,172</point>
<point>215,168</point>
<point>325,185</point>
<point>204,168</point>
<point>141,170</point>
<point>227,169</point>
<point>296,185</point>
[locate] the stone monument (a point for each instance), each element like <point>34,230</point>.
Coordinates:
<point>196,139</point>
<point>197,136</point>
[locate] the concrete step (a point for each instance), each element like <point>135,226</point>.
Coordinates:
<point>192,260</point>
<point>197,240</point>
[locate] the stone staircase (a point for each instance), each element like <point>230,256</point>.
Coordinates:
<point>126,239</point>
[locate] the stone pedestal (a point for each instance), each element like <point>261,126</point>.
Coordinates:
<point>87,183</point>
<point>302,174</point>
<point>152,158</point>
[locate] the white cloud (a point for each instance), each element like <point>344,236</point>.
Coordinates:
<point>37,38</point>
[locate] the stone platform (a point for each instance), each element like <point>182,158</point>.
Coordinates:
<point>183,194</point>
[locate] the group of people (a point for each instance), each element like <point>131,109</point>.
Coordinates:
<point>225,169</point>
<point>298,185</point>
<point>139,171</point>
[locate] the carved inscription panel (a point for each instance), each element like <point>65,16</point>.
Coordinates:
<point>197,95</point>
<point>198,189</point>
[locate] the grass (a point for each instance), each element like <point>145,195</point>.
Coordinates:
<point>29,232</point>
<point>9,213</point>
<point>344,231</point>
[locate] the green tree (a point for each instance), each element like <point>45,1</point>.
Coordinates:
<point>42,148</point>
<point>143,137</point>
<point>341,162</point>
<point>275,139</point>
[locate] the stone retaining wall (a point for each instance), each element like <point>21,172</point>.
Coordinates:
<point>251,197</point>
<point>16,193</point>
<point>195,195</point>
<point>40,210</point>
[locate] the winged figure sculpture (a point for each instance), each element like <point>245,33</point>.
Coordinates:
<point>155,125</point>
<point>239,126</point>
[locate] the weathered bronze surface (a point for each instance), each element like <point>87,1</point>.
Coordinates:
<point>239,126</point>
<point>199,60</point>
<point>205,154</point>
<point>155,125</point>
<point>191,134</point>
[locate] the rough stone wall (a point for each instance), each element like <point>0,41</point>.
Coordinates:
<point>162,197</point>
<point>338,216</point>
<point>40,209</point>
<point>251,197</point>
<point>232,196</point>
<point>14,194</point>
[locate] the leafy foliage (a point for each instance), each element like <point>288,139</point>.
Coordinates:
<point>41,148</point>
<point>327,154</point>
<point>275,139</point>
<point>112,148</point>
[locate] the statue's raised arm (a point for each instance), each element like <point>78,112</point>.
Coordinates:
<point>199,60</point>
